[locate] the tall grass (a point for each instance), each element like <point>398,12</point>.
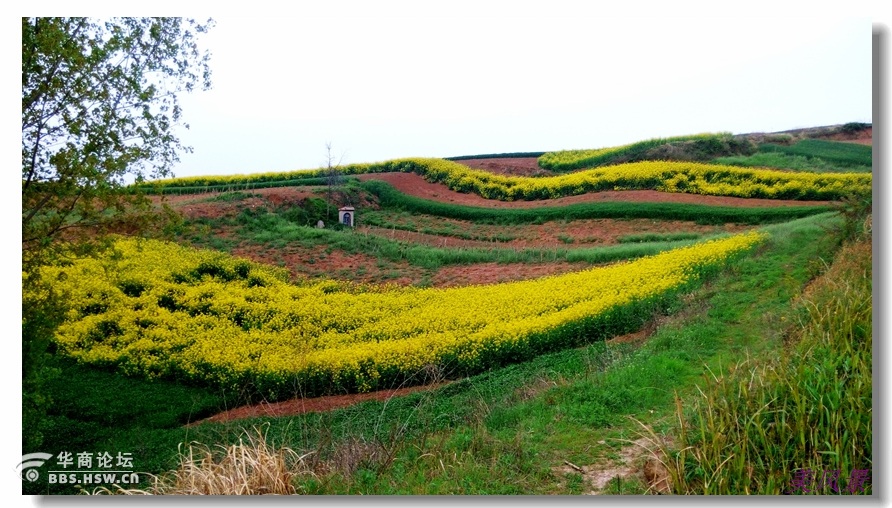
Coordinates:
<point>250,467</point>
<point>799,423</point>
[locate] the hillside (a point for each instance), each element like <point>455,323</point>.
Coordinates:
<point>513,329</point>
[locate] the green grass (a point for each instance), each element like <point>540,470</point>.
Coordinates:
<point>503,431</point>
<point>835,152</point>
<point>695,147</point>
<point>658,237</point>
<point>779,160</point>
<point>93,408</point>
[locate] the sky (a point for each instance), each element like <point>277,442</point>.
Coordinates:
<point>378,84</point>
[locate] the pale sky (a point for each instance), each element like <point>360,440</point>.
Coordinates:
<point>383,83</point>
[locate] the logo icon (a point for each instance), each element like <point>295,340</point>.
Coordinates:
<point>30,461</point>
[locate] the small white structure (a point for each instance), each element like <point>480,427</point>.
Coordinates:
<point>347,216</point>
<point>320,225</point>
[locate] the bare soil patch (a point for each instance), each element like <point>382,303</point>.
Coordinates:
<point>511,166</point>
<point>205,206</point>
<point>317,262</point>
<point>495,273</point>
<point>312,263</point>
<point>863,137</point>
<point>640,460</point>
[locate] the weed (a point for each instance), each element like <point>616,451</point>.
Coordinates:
<point>624,486</point>
<point>250,467</point>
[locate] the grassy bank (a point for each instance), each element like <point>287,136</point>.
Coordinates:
<point>799,422</point>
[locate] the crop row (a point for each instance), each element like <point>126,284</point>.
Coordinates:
<point>389,197</point>
<point>687,177</point>
<point>508,155</point>
<point>157,309</point>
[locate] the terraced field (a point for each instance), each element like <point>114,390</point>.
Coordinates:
<point>457,271</point>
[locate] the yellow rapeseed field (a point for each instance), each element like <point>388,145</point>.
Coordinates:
<point>158,309</point>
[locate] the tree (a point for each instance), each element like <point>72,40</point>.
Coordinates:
<point>333,178</point>
<point>99,110</point>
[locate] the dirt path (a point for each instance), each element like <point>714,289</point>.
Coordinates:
<point>299,406</point>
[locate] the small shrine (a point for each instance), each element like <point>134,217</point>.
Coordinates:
<point>347,216</point>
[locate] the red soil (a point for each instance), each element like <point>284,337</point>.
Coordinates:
<point>316,262</point>
<point>197,205</point>
<point>522,166</point>
<point>864,137</point>
<point>494,273</point>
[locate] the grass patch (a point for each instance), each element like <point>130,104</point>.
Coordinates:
<point>250,467</point>
<point>780,160</point>
<point>92,406</point>
<point>836,152</point>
